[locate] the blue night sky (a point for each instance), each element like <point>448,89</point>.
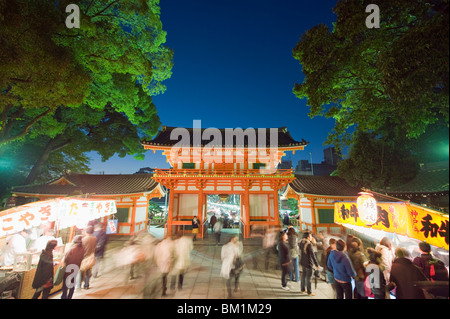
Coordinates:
<point>233,67</point>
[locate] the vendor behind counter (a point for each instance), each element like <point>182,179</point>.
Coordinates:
<point>14,245</point>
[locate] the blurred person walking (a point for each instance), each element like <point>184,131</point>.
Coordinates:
<point>183,246</point>
<point>89,242</point>
<point>102,239</point>
<point>72,261</point>
<point>232,263</point>
<point>164,258</point>
<point>218,230</point>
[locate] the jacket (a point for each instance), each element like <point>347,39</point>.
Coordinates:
<point>293,245</point>
<point>308,258</point>
<point>341,266</point>
<point>102,239</point>
<point>283,251</point>
<point>89,244</point>
<point>44,271</point>
<point>73,257</point>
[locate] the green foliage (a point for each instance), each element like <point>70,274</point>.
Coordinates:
<point>371,80</point>
<point>72,91</point>
<point>293,205</point>
<point>377,164</point>
<point>153,208</point>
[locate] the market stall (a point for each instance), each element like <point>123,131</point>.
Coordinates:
<point>64,216</point>
<point>404,219</point>
<point>405,224</point>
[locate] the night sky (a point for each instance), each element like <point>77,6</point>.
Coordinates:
<point>233,67</point>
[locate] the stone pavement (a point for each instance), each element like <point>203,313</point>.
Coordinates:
<point>201,281</point>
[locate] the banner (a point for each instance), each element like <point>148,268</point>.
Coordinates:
<point>390,217</point>
<point>428,226</point>
<point>398,217</point>
<point>67,212</point>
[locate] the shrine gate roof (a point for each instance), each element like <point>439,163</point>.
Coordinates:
<point>71,184</point>
<point>323,185</point>
<point>163,140</point>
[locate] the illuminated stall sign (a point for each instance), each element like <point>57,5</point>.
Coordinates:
<point>400,218</point>
<point>66,212</point>
<point>389,217</point>
<point>428,226</point>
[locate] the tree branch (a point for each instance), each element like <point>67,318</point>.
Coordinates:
<point>26,128</point>
<point>104,9</point>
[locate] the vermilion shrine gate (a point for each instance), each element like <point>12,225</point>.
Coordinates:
<point>243,163</point>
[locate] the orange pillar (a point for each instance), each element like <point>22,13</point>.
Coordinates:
<point>247,212</point>
<point>275,207</point>
<point>133,216</point>
<point>299,214</point>
<point>200,211</point>
<point>313,216</point>
<point>170,212</point>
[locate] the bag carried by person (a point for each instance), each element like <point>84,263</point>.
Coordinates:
<point>88,262</point>
<point>59,275</point>
<point>435,270</point>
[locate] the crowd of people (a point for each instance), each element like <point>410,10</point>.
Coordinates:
<point>352,271</point>
<point>82,260</point>
<point>358,273</point>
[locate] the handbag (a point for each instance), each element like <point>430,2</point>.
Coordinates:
<point>88,262</point>
<point>59,275</point>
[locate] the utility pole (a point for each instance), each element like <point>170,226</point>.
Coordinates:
<point>312,168</point>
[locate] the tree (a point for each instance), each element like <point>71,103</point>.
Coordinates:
<point>91,86</point>
<point>378,163</point>
<point>369,79</point>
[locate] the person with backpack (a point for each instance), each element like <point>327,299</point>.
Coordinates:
<point>308,261</point>
<point>433,268</point>
<point>404,275</point>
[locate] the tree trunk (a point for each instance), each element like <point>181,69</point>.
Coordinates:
<point>50,147</point>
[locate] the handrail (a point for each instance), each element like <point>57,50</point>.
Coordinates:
<point>244,227</point>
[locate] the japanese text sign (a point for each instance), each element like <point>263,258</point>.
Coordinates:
<point>400,218</point>
<point>67,212</point>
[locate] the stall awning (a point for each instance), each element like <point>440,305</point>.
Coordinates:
<point>66,212</point>
<point>402,218</point>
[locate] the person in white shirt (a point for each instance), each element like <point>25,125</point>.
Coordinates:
<point>40,243</point>
<point>16,244</point>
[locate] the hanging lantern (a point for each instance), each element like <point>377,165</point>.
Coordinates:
<point>367,208</point>
<point>223,197</point>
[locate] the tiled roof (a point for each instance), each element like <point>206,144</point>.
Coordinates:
<point>431,179</point>
<point>163,138</point>
<point>323,185</point>
<point>92,184</point>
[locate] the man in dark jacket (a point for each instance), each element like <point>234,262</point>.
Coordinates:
<point>404,274</point>
<point>72,261</point>
<point>285,259</point>
<point>102,239</point>
<point>308,261</point>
